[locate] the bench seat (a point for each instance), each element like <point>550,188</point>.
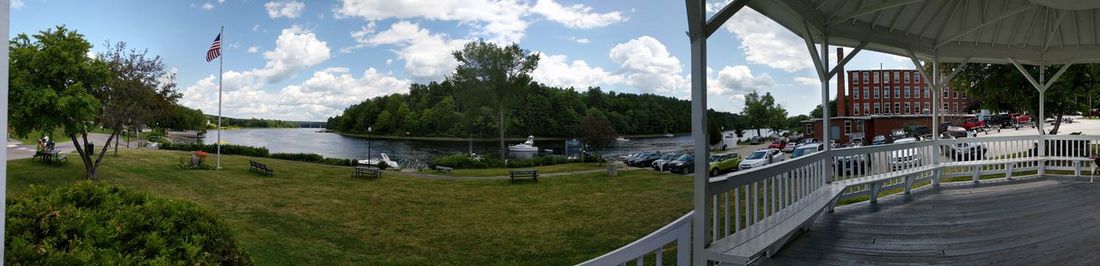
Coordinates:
<point>767,236</point>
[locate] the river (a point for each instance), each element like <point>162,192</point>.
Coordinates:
<point>308,140</point>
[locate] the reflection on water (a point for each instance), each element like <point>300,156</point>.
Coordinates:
<point>307,140</point>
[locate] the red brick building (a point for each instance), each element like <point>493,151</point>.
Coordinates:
<point>876,102</point>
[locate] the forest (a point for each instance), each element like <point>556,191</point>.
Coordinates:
<point>434,110</point>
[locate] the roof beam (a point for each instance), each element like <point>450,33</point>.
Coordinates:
<point>840,65</point>
<point>1056,75</point>
<point>1026,74</point>
<point>723,15</point>
<point>870,9</point>
<point>809,38</point>
<point>1053,30</point>
<point>1000,17</point>
<point>914,19</point>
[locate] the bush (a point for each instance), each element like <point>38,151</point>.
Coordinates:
<point>227,149</point>
<point>461,161</point>
<point>312,158</point>
<point>87,223</point>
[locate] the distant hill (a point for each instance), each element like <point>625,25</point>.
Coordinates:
<point>264,123</point>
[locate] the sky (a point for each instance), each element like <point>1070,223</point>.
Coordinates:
<point>309,60</point>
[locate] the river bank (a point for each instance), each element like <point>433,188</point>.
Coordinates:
<point>494,139</point>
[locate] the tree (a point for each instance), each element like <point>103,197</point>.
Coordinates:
<point>762,112</point>
<point>816,112</point>
<point>139,90</point>
<point>596,129</point>
<point>501,72</point>
<point>52,84</point>
<point>1002,88</point>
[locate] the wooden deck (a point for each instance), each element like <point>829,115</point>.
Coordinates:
<point>1039,222</point>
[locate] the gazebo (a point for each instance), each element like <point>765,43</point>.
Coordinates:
<point>743,217</point>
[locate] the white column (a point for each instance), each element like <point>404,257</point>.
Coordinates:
<point>826,131</point>
<point>1041,122</point>
<point>696,27</point>
<point>936,89</point>
<point>4,30</point>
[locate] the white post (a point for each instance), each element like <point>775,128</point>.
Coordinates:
<point>826,132</point>
<point>936,88</point>
<point>1041,122</point>
<point>221,69</point>
<point>696,16</point>
<point>4,16</point>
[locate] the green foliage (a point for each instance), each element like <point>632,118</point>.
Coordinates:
<point>92,224</point>
<point>763,112</point>
<point>1002,88</point>
<point>312,158</point>
<point>816,112</point>
<point>183,118</point>
<point>461,161</point>
<point>227,149</point>
<point>253,122</point>
<point>596,130</point>
<point>487,71</point>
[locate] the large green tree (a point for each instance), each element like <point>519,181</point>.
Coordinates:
<point>52,84</point>
<point>496,72</point>
<point>140,89</point>
<point>1002,88</point>
<point>761,111</point>
<point>596,129</point>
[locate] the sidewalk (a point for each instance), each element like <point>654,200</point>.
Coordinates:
<point>18,151</point>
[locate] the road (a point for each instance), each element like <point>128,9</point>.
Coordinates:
<point>18,150</point>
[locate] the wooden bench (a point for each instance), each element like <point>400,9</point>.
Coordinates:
<point>262,168</point>
<point>368,172</point>
<point>444,169</point>
<point>64,158</point>
<point>766,237</point>
<point>524,173</point>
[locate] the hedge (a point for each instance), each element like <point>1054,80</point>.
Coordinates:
<point>228,149</point>
<point>94,224</point>
<point>313,158</point>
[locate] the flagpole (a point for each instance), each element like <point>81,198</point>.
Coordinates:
<point>221,65</point>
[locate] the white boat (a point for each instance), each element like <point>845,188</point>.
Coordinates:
<point>526,146</point>
<point>668,135</point>
<point>385,159</point>
<point>622,139</point>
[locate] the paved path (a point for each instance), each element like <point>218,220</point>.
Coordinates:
<point>18,151</point>
<point>1032,222</point>
<point>447,177</point>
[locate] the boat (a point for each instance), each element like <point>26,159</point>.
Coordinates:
<point>668,135</point>
<point>622,139</point>
<point>526,146</point>
<point>385,159</point>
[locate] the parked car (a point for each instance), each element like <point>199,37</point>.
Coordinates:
<point>723,163</point>
<point>756,140</point>
<point>683,165</point>
<point>643,160</point>
<point>851,164</point>
<point>790,147</point>
<point>659,164</point>
<point>878,140</point>
<point>761,158</point>
<point>973,124</point>
<point>778,144</point>
<point>904,158</point>
<point>631,157</point>
<point>806,149</point>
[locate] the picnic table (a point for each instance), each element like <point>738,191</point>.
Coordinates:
<point>51,156</point>
<point>523,173</point>
<point>260,167</point>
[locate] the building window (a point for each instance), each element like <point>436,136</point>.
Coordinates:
<point>907,91</point>
<point>855,78</point>
<point>855,93</point>
<point>876,92</point>
<point>886,92</point>
<point>916,77</point>
<point>907,110</point>
<point>866,93</point>
<point>897,92</point>
<point>859,126</point>
<point>810,128</point>
<point>867,108</point>
<point>865,79</point>
<point>855,110</point>
<point>897,77</point>
<point>897,108</point>
<point>927,92</point>
<point>877,110</point>
<point>956,94</point>
<point>875,77</point>
<point>847,127</point>
<point>907,77</point>
<point>944,110</point>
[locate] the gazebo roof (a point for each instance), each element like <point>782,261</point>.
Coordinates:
<point>985,31</point>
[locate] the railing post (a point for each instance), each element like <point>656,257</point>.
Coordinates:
<point>976,178</point>
<point>1008,171</point>
<point>873,196</point>
<point>696,16</point>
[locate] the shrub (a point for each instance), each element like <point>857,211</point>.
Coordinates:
<point>312,158</point>
<point>228,149</point>
<point>87,223</point>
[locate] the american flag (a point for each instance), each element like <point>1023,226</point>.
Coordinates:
<point>215,49</point>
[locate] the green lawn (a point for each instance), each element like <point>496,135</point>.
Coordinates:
<point>316,214</point>
<point>559,168</point>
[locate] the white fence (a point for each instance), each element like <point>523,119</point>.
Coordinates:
<point>738,202</point>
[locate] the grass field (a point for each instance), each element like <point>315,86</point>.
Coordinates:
<point>558,168</point>
<point>316,214</point>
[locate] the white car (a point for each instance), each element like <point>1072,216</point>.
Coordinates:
<point>760,158</point>
<point>904,158</point>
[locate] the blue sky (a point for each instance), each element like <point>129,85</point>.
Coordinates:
<point>308,60</point>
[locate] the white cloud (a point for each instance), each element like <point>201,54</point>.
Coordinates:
<point>427,56</point>
<point>17,4</point>
<point>324,94</point>
<point>496,20</point>
<point>207,6</point>
<point>295,50</point>
<point>646,64</point>
<point>287,9</point>
<point>738,80</point>
<point>256,27</point>
<point>576,16</point>
<point>766,42</point>
<point>221,1</point>
<point>807,81</point>
<point>582,40</point>
<point>555,70</point>
<point>253,49</point>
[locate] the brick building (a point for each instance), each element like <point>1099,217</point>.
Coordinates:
<point>876,102</point>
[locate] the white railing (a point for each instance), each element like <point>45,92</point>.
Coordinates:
<point>677,233</point>
<point>738,201</point>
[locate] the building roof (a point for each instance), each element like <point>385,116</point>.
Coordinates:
<point>1027,31</point>
<point>869,117</point>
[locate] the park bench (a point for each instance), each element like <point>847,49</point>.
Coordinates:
<point>368,172</point>
<point>444,169</point>
<point>259,167</point>
<point>524,173</point>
